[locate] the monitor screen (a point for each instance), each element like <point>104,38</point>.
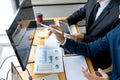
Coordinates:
<point>19,33</point>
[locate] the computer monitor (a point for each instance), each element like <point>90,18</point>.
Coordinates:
<point>19,35</point>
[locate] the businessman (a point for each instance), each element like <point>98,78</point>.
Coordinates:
<point>110,42</point>
<point>97,25</point>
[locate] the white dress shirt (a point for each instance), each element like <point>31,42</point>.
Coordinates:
<point>102,7</point>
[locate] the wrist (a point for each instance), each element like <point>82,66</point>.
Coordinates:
<point>64,41</point>
<point>82,37</point>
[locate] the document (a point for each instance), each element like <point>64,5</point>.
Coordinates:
<point>48,58</point>
<point>73,65</point>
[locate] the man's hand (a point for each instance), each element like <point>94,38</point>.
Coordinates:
<point>89,76</point>
<point>76,37</point>
<point>60,36</point>
<point>119,16</point>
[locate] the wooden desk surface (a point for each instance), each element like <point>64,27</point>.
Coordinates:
<point>40,41</point>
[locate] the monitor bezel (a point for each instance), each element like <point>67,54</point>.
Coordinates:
<point>9,34</point>
<point>15,50</point>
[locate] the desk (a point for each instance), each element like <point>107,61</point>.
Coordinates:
<point>40,41</point>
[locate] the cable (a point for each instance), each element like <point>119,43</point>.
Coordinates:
<point>30,77</point>
<point>7,74</point>
<point>5,60</point>
<point>9,71</point>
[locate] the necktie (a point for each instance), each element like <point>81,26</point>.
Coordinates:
<point>93,14</point>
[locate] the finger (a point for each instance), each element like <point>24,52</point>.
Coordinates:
<point>119,16</point>
<point>49,33</point>
<point>104,75</point>
<point>71,36</point>
<point>56,27</point>
<point>85,72</point>
<point>53,31</point>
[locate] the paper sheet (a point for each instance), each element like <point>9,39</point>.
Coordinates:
<point>48,58</point>
<point>73,66</point>
<point>51,41</point>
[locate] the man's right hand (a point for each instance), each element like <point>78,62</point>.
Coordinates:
<point>60,36</point>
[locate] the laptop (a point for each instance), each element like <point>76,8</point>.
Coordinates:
<point>14,73</point>
<point>49,77</point>
<point>16,76</point>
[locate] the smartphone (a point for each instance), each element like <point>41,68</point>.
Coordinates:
<point>65,26</point>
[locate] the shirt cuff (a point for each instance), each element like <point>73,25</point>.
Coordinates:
<point>64,41</point>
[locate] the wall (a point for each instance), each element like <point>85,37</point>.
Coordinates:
<point>46,2</point>
<point>57,10</point>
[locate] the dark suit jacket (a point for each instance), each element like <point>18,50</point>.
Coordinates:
<point>102,25</point>
<point>110,42</point>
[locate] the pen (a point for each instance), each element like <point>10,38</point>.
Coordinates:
<point>46,26</point>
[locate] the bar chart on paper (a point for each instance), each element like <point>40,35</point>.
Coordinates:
<point>48,58</point>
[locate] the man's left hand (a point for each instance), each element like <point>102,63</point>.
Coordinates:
<point>89,76</point>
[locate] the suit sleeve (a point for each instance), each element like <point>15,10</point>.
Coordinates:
<point>88,38</point>
<point>87,49</point>
<point>77,16</point>
<point>118,78</point>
